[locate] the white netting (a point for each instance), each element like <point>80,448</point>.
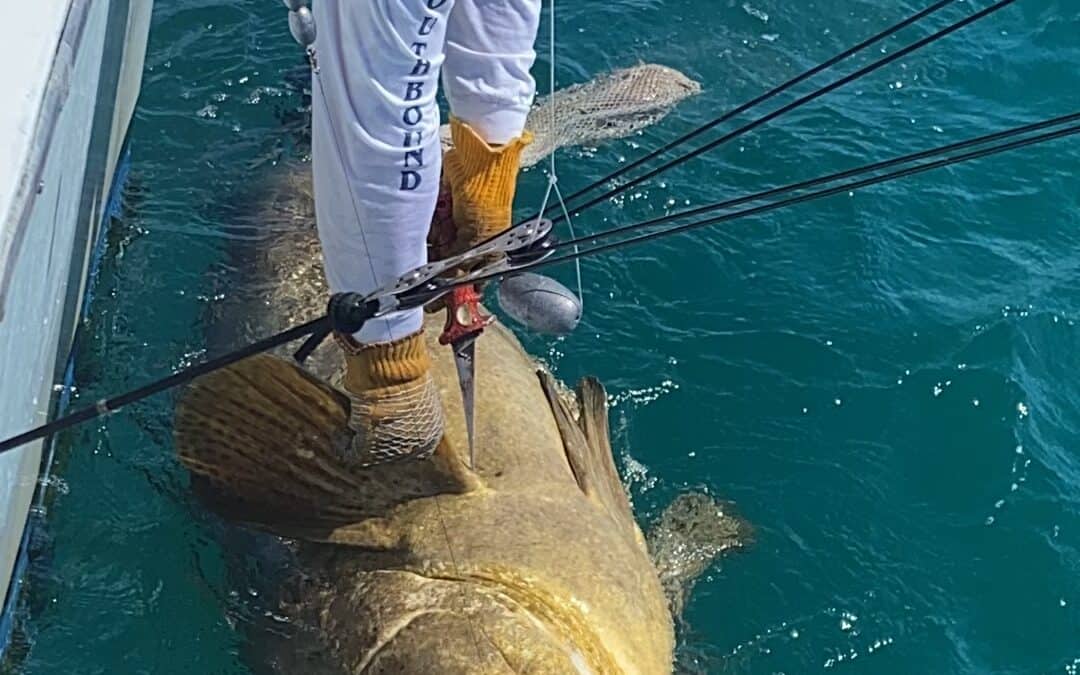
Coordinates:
<point>610,106</point>
<point>393,423</point>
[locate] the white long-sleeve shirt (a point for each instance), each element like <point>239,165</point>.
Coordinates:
<point>375,123</point>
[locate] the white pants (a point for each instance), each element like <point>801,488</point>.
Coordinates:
<point>375,124</point>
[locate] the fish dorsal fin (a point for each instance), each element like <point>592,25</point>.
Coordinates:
<point>265,443</point>
<point>588,450</point>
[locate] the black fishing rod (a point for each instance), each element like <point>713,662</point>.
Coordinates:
<point>108,405</point>
<point>754,124</point>
<point>775,91</point>
<point>766,208</point>
<point>814,182</point>
<point>324,324</point>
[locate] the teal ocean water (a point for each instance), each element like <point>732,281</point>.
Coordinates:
<point>883,382</point>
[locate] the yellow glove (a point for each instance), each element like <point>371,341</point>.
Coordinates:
<point>482,180</point>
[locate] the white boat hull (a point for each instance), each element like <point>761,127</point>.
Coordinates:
<point>73,101</point>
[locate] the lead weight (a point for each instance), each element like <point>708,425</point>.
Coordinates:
<point>540,303</point>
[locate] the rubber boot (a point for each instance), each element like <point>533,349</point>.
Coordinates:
<point>482,180</point>
<point>396,412</point>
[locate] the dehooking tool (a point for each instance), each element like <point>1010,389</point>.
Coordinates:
<point>465,321</point>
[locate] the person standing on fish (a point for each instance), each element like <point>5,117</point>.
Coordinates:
<point>377,165</point>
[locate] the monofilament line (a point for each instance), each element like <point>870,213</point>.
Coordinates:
<point>553,175</point>
<point>317,76</point>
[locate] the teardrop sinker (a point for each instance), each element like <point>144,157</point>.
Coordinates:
<point>540,303</point>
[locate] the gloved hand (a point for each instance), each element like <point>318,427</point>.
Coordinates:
<point>395,408</point>
<point>482,181</point>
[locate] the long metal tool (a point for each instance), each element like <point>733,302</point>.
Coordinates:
<point>465,321</point>
<point>465,360</point>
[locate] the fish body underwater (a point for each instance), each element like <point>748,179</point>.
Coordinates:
<point>531,562</point>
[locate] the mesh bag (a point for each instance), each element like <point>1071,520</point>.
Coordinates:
<point>610,106</point>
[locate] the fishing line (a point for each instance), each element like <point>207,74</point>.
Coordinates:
<point>775,91</point>
<point>553,175</point>
<point>758,210</point>
<point>323,325</point>
<point>457,571</point>
<point>106,406</point>
<point>746,128</point>
<point>849,173</point>
<point>316,73</point>
<point>321,332</point>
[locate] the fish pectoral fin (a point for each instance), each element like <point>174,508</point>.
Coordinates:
<point>267,445</point>
<point>588,449</point>
<point>688,537</point>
